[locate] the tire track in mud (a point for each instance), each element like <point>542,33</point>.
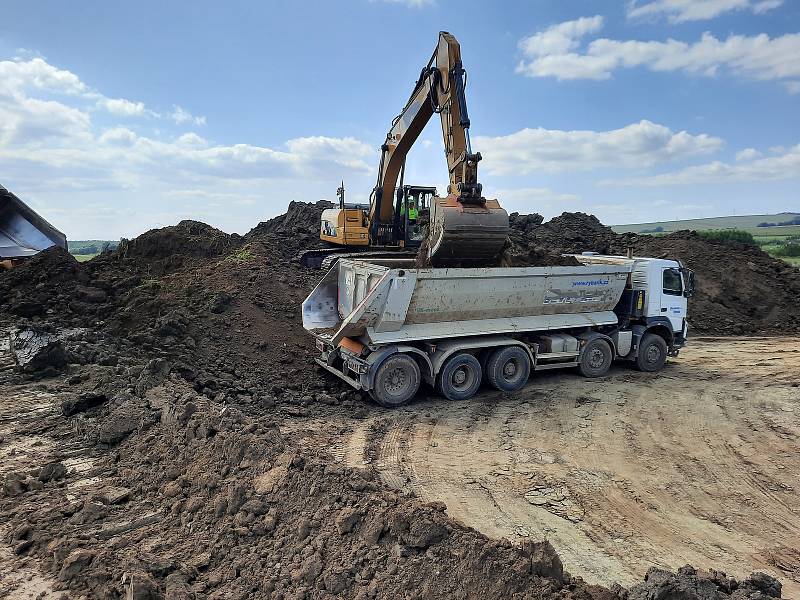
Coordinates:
<point>665,469</point>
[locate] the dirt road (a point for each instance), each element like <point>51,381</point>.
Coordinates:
<point>698,464</point>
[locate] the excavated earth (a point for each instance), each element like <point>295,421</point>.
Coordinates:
<point>164,433</point>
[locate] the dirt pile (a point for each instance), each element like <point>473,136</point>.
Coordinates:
<point>294,231</point>
<point>201,501</point>
<point>570,233</point>
<point>167,249</point>
<point>690,584</point>
<point>740,288</point>
<point>32,288</point>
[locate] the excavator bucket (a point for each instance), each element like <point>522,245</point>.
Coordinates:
<point>466,232</point>
<point>23,232</point>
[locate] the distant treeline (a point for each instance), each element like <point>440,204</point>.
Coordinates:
<point>795,221</point>
<point>90,246</point>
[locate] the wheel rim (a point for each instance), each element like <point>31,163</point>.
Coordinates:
<point>596,358</point>
<point>462,378</point>
<point>510,369</point>
<point>653,354</point>
<point>396,382</point>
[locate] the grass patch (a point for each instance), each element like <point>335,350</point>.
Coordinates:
<point>85,257</point>
<point>243,255</point>
<point>728,235</point>
<point>792,260</point>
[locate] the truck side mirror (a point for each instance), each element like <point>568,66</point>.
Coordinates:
<point>688,287</point>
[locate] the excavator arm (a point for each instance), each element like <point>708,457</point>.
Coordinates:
<point>464,217</point>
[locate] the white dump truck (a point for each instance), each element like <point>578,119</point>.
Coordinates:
<point>385,326</point>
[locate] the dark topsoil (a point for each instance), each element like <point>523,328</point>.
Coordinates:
<point>181,357</point>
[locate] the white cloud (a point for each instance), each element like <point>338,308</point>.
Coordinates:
<point>180,115</point>
<point>680,11</point>
<point>747,154</point>
<point>53,154</point>
<point>20,75</point>
<point>561,38</point>
<point>793,87</point>
<point>637,145</point>
<point>122,107</point>
<point>20,78</point>
<point>783,166</point>
<point>555,53</point>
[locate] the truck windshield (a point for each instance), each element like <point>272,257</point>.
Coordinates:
<point>673,285</point>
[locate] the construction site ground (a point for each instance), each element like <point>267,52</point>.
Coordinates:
<point>165,433</point>
<point>697,464</point>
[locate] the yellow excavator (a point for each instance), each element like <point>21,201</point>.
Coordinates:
<point>458,228</point>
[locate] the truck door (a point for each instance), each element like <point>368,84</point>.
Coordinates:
<point>673,301</point>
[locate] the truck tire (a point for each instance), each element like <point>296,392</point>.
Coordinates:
<point>396,382</point>
<point>652,353</point>
<point>508,368</point>
<point>460,378</point>
<point>596,358</point>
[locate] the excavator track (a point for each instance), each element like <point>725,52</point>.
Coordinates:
<point>325,258</point>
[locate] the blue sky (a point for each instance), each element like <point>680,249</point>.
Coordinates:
<point>119,117</point>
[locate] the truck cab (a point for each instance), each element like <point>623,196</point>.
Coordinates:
<point>662,287</point>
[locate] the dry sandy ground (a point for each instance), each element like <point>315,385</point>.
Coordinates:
<point>698,464</point>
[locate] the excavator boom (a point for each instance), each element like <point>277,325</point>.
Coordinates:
<point>463,225</point>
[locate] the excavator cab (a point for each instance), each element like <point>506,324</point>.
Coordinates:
<point>413,214</point>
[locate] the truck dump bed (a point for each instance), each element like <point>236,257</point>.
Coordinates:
<point>22,231</point>
<point>390,300</point>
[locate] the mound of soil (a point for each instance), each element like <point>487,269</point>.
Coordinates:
<point>739,288</point>
<point>167,248</point>
<point>294,231</point>
<point>32,288</point>
<point>241,512</point>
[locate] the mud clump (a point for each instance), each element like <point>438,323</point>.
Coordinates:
<point>687,583</point>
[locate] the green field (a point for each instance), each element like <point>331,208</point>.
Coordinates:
<point>746,222</point>
<point>83,247</point>
<point>84,250</point>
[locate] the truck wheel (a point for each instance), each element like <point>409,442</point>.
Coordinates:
<point>652,353</point>
<point>460,378</point>
<point>508,368</point>
<point>596,359</point>
<point>396,381</point>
